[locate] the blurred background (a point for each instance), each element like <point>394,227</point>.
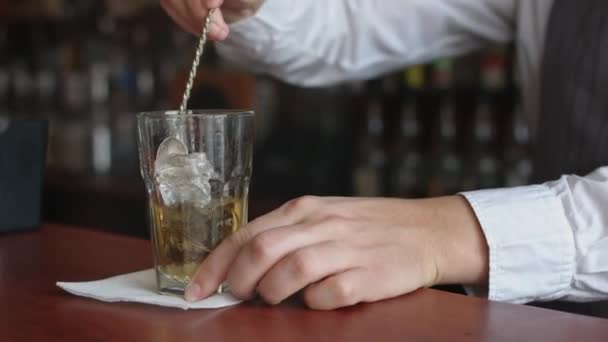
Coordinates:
<point>88,66</point>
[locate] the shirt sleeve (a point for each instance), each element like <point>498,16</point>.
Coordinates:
<point>547,242</point>
<point>320,42</point>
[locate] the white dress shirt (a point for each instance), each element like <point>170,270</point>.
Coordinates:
<point>546,241</point>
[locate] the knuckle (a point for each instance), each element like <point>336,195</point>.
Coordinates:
<point>239,238</point>
<point>261,246</point>
<point>303,264</point>
<point>333,221</point>
<point>300,203</point>
<point>196,11</point>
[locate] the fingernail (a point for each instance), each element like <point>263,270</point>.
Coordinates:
<point>193,292</point>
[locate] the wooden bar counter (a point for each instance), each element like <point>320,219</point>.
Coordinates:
<point>34,309</point>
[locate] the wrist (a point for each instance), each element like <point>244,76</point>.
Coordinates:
<point>459,248</point>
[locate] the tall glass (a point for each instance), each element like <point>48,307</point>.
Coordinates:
<point>196,167</point>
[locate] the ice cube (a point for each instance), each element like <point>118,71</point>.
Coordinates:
<point>184,179</point>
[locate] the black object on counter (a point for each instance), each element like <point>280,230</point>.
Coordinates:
<point>22,159</point>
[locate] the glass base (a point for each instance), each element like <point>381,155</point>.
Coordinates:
<point>179,289</point>
<point>172,291</point>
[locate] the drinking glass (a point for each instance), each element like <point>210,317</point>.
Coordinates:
<point>196,167</point>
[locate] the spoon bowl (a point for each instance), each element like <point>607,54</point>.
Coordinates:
<point>169,147</point>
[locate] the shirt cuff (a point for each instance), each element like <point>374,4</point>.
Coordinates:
<point>531,246</point>
<point>251,39</point>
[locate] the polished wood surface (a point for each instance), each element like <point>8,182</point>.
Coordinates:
<point>33,309</point>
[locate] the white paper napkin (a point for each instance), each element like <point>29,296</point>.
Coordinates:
<point>140,287</point>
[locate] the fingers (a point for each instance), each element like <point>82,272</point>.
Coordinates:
<point>183,12</point>
<point>340,290</point>
<point>268,248</point>
<point>219,29</point>
<point>214,270</point>
<point>177,16</point>
<point>190,15</point>
<point>380,272</point>
<point>305,266</point>
<point>338,251</point>
<point>196,12</point>
<point>214,3</point>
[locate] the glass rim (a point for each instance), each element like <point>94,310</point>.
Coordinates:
<point>170,114</point>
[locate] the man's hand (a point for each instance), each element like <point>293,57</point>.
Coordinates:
<point>342,251</point>
<point>191,14</point>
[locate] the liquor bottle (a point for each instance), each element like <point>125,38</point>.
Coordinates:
<point>123,109</point>
<point>4,73</point>
<point>493,82</point>
<point>369,170</point>
<point>466,89</point>
<point>142,61</point>
<point>518,163</point>
<point>392,90</point>
<point>407,170</point>
<point>449,161</point>
<point>486,163</point>
<point>416,85</point>
<point>266,108</point>
<point>101,133</point>
<point>407,160</point>
<point>72,133</point>
<point>4,91</point>
<point>46,90</point>
<point>22,84</point>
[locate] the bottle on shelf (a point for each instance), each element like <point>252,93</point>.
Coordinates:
<point>123,109</point>
<point>407,171</point>
<point>46,97</point>
<point>4,91</point>
<point>142,61</point>
<point>72,134</point>
<point>266,108</point>
<point>488,164</point>
<point>101,133</point>
<point>22,84</point>
<point>448,163</point>
<point>466,76</point>
<point>519,165</point>
<point>406,159</point>
<point>485,162</point>
<point>392,90</point>
<point>368,173</point>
